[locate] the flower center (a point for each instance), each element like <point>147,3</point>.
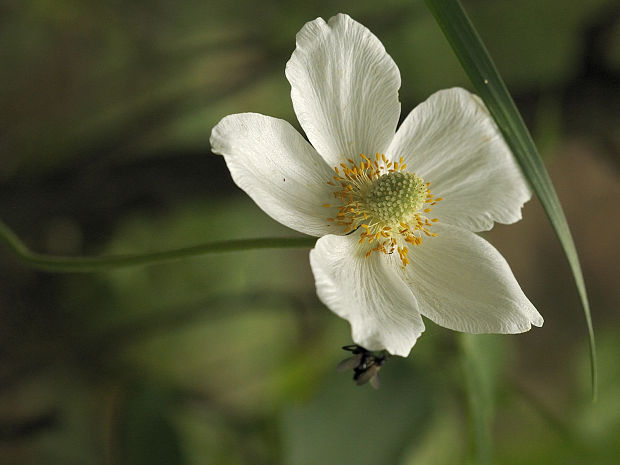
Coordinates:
<point>386,201</point>
<point>393,196</point>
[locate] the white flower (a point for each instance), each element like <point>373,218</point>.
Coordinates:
<point>383,259</point>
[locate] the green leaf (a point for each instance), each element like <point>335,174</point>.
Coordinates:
<point>485,78</point>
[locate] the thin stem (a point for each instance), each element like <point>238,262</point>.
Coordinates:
<point>480,398</point>
<point>61,264</point>
<point>545,413</point>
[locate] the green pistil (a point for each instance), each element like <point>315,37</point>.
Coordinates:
<point>394,197</point>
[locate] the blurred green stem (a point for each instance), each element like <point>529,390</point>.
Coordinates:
<point>60,264</point>
<point>480,398</point>
<point>546,414</point>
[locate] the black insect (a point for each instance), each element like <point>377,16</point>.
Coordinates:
<point>365,365</point>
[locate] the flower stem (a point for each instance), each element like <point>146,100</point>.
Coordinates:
<point>480,372</point>
<point>62,264</point>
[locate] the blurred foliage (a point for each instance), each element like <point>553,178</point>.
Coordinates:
<point>483,359</point>
<point>106,110</point>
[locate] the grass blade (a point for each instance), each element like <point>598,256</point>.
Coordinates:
<point>485,78</point>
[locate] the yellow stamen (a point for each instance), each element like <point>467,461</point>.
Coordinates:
<point>384,200</point>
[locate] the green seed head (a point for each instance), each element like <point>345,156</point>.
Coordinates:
<point>395,197</point>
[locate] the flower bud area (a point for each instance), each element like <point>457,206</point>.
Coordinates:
<point>388,203</point>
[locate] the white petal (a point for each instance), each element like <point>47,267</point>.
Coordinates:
<point>452,141</point>
<point>344,88</point>
<point>278,169</point>
<point>462,282</point>
<point>368,292</point>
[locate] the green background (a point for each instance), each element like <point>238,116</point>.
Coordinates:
<point>105,114</point>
